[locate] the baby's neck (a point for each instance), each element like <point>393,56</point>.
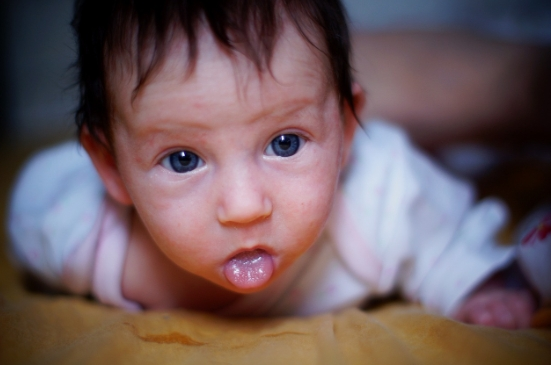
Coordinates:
<point>155,282</point>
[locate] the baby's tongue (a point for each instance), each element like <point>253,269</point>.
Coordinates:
<point>249,269</point>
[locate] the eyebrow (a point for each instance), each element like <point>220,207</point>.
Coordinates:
<point>165,125</point>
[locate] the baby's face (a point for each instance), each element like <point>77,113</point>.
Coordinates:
<point>232,173</point>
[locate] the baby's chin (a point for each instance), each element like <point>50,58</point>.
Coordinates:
<point>249,271</point>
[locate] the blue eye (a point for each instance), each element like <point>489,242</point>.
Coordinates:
<point>284,145</point>
<point>182,161</point>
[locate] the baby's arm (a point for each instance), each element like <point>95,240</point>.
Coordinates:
<point>54,213</point>
<point>494,304</point>
<point>497,302</point>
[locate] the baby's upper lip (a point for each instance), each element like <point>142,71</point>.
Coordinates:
<point>262,247</point>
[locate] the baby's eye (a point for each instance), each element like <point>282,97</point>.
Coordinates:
<point>182,161</point>
<point>284,145</point>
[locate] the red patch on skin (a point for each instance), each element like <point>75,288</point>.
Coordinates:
<point>538,233</point>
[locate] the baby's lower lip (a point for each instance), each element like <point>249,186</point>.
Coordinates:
<point>249,269</point>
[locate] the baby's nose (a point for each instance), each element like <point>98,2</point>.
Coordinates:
<point>243,200</point>
<point>243,210</point>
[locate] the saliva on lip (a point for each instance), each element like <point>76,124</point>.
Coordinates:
<point>249,269</point>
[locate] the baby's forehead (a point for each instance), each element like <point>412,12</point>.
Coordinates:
<point>221,86</point>
<point>138,66</point>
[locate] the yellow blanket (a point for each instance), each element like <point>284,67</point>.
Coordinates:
<point>39,329</point>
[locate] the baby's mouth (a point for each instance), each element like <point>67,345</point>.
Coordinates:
<point>249,269</point>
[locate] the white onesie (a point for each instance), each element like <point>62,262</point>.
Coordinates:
<point>399,222</point>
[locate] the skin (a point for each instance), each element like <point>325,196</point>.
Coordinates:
<point>187,226</point>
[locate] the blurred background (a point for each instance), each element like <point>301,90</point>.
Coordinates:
<point>441,68</point>
<point>520,20</point>
<point>38,49</point>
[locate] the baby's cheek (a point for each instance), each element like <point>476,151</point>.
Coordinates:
<point>315,203</point>
<point>171,227</point>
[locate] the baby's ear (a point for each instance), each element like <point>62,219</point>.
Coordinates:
<point>350,121</point>
<point>359,98</point>
<point>105,164</point>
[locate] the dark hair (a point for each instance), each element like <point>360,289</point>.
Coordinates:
<point>106,29</point>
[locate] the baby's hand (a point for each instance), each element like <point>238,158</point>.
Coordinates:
<point>498,307</point>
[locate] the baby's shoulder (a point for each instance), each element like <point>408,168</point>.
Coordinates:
<point>55,161</point>
<point>52,172</point>
<point>55,203</point>
<point>376,144</point>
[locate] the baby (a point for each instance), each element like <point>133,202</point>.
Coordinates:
<point>226,173</point>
